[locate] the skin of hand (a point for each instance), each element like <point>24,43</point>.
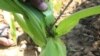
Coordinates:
<point>5,42</point>
<point>39,4</point>
<point>3,34</point>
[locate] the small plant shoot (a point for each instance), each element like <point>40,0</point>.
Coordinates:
<point>37,20</point>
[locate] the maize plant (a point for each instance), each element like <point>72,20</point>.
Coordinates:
<point>37,20</point>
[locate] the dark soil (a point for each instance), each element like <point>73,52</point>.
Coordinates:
<point>84,39</point>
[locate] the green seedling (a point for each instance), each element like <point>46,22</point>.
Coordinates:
<point>40,25</point>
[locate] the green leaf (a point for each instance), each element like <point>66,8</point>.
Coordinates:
<point>9,5</point>
<point>49,17</point>
<point>54,47</point>
<point>61,48</point>
<point>57,6</point>
<point>50,49</point>
<point>36,28</point>
<point>19,18</point>
<point>13,30</point>
<point>70,22</point>
<point>28,28</point>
